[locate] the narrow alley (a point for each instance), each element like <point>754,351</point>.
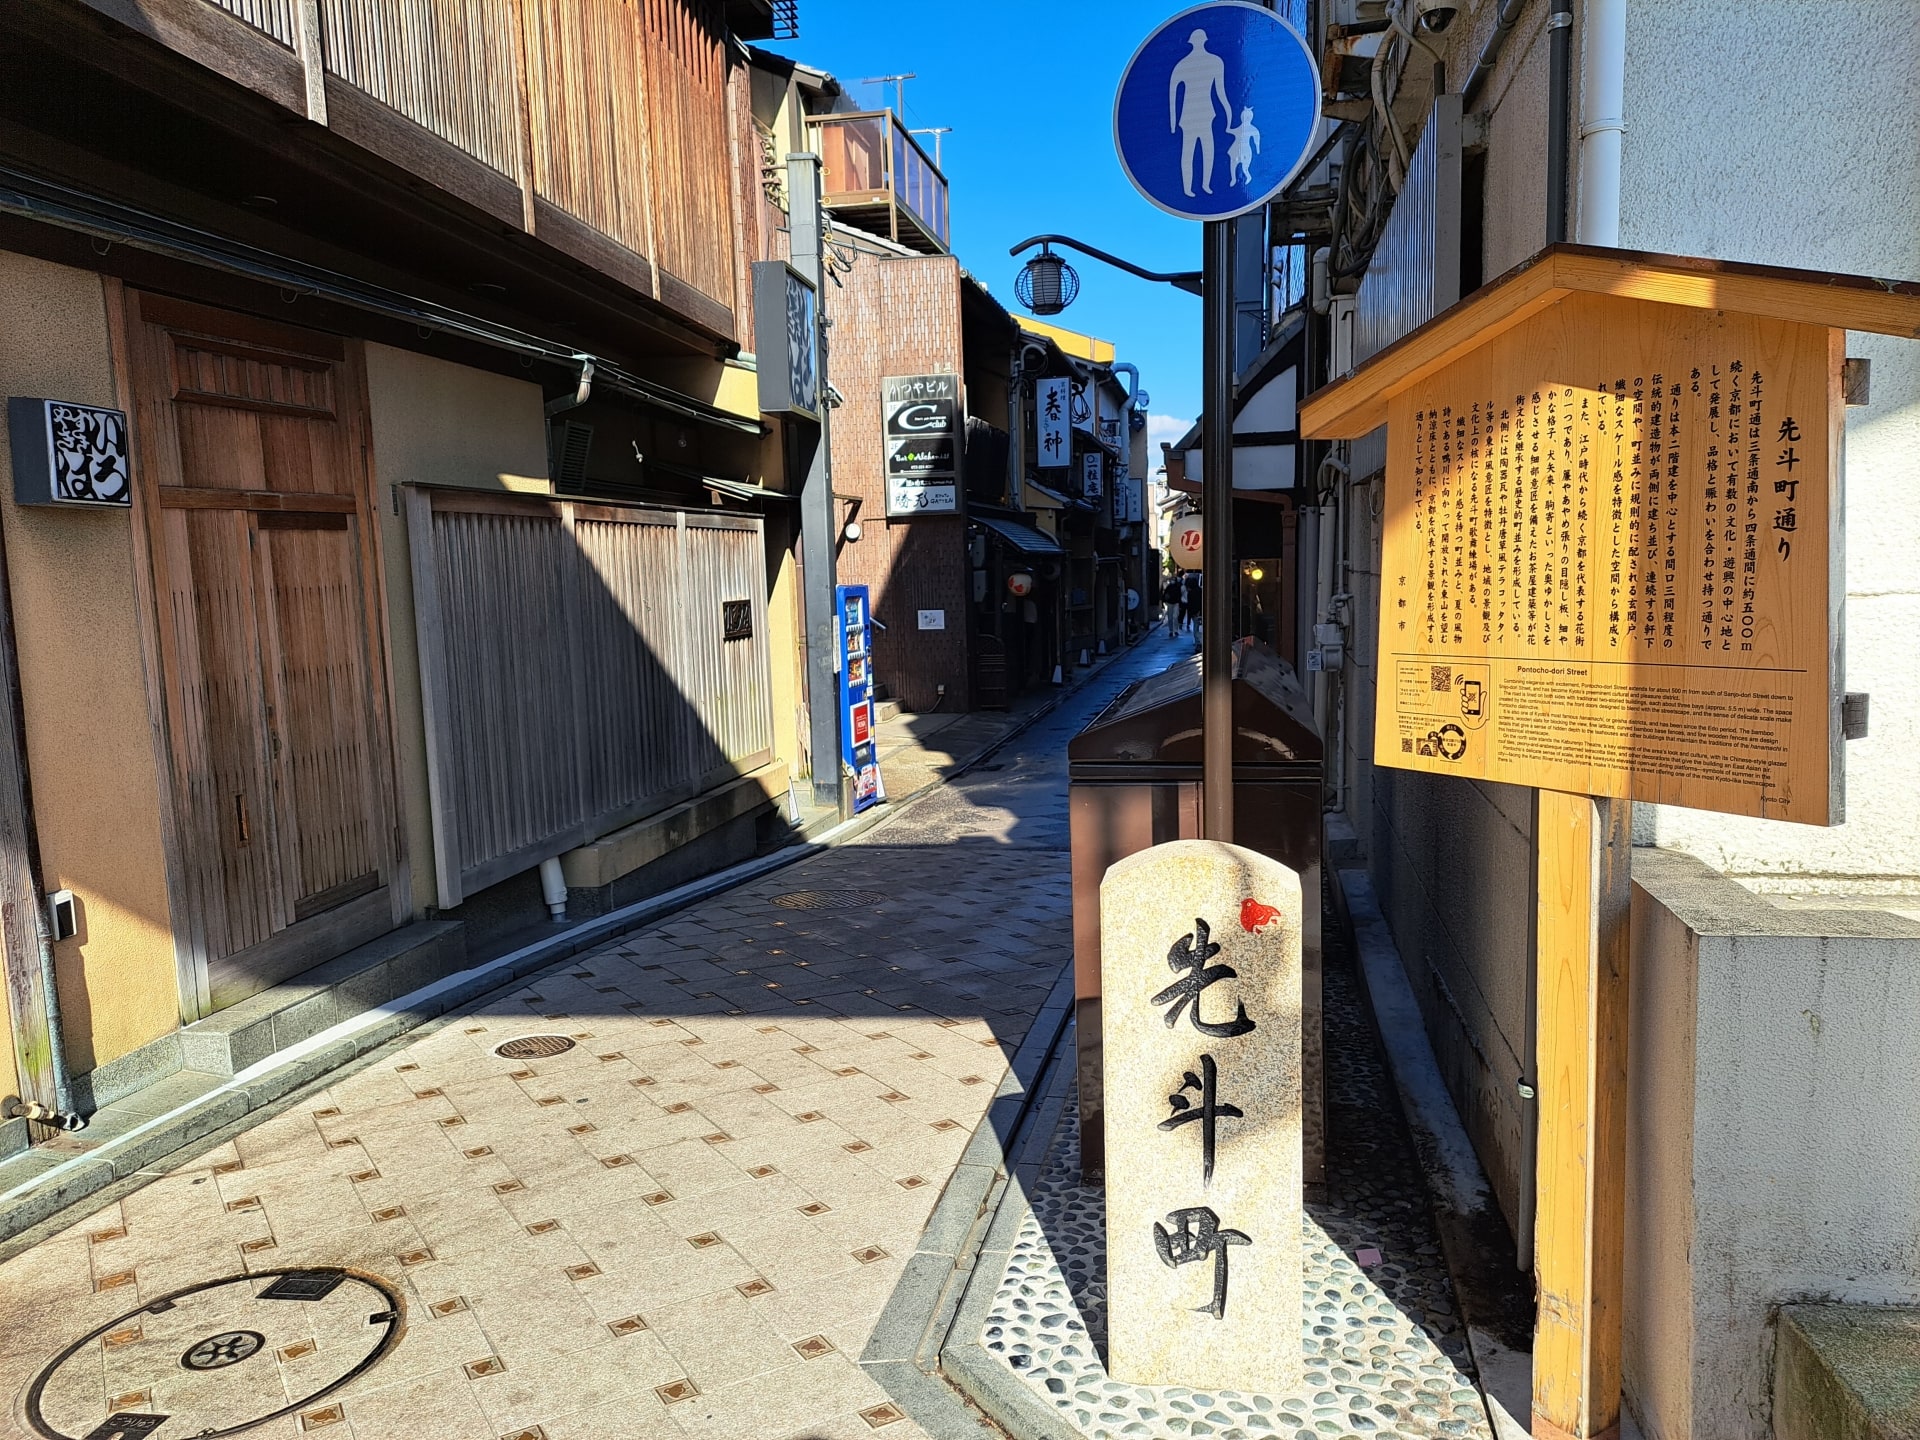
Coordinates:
<point>680,1213</point>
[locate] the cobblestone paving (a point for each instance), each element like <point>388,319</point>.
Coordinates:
<point>684,1224</point>
<point>1385,1352</point>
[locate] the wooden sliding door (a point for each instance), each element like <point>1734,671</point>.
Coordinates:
<point>254,474</point>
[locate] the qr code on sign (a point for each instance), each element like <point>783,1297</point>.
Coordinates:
<point>1442,677</point>
<point>1406,744</point>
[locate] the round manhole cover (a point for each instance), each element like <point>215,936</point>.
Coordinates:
<point>533,1047</point>
<point>218,1358</point>
<point>828,899</point>
<point>229,1347</point>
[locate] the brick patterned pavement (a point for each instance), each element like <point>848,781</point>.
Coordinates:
<point>685,1224</point>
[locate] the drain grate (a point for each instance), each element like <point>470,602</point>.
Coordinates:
<point>828,899</point>
<point>533,1047</point>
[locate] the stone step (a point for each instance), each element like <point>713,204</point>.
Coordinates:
<point>1847,1372</point>
<point>351,984</point>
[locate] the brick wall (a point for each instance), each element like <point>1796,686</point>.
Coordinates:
<point>899,317</point>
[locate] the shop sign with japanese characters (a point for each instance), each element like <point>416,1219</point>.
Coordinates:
<point>922,421</point>
<point>1052,424</point>
<point>68,454</point>
<point>1605,569</point>
<point>1200,994</point>
<point>1090,476</point>
<point>787,340</point>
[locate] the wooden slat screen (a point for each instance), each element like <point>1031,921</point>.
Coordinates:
<point>573,670</point>
<point>687,118</point>
<point>272,17</point>
<point>586,85</point>
<point>446,66</point>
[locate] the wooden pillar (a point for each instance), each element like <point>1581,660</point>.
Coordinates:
<point>1585,849</point>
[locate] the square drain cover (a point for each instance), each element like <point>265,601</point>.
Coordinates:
<point>303,1285</point>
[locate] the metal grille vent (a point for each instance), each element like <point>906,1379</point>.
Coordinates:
<point>533,1047</point>
<point>828,899</point>
<point>571,442</point>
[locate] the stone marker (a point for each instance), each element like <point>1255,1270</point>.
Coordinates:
<point>1200,982</point>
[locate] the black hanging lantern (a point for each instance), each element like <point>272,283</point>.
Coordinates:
<point>1046,284</point>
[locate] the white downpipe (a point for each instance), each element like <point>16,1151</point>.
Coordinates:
<point>553,887</point>
<point>1603,96</point>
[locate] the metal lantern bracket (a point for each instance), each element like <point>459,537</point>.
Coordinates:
<point>1187,280</point>
<point>1046,284</point>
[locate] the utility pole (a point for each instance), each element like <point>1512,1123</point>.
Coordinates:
<point>936,131</point>
<point>1216,534</point>
<point>899,83</point>
<point>807,247</point>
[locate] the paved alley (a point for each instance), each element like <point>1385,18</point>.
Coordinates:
<point>662,1189</point>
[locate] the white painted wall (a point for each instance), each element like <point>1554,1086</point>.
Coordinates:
<point>1772,1132</point>
<point>1788,133</point>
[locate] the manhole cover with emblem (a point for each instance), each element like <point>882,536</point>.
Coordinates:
<point>828,899</point>
<point>229,1347</point>
<point>217,1358</point>
<point>533,1047</point>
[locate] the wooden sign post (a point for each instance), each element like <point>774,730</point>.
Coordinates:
<point>1612,569</point>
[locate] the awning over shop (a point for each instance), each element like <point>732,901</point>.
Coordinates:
<point>1023,538</point>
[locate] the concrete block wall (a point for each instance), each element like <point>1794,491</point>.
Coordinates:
<point>1773,1126</point>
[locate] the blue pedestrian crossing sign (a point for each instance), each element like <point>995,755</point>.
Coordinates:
<point>1217,110</point>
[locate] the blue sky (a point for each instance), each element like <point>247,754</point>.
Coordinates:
<point>1028,89</point>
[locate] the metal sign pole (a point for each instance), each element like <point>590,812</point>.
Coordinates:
<point>1216,536</point>
<point>816,505</point>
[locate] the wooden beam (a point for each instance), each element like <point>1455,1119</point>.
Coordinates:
<point>1351,407</point>
<point>1805,297</point>
<point>308,45</point>
<point>22,980</point>
<point>220,41</point>
<point>1585,851</point>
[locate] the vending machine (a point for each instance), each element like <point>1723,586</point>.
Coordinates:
<point>859,747</point>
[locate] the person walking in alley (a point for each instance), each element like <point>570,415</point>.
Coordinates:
<point>1190,601</point>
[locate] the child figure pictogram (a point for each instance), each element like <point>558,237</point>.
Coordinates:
<point>1246,140</point>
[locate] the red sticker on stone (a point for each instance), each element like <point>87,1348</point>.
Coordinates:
<point>1255,917</point>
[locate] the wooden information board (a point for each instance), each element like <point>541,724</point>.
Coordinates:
<point>1606,561</point>
<point>1611,569</point>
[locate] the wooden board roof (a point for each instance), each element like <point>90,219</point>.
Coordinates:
<point>1351,407</point>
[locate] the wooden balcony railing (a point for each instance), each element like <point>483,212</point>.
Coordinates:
<point>875,175</point>
<point>608,117</point>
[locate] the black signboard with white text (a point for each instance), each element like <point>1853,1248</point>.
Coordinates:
<point>786,340</point>
<point>921,416</point>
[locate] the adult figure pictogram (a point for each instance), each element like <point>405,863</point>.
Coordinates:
<point>1202,75</point>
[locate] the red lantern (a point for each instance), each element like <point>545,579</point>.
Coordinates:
<point>1183,542</point>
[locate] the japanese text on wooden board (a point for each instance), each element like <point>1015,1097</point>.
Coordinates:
<point>1606,561</point>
